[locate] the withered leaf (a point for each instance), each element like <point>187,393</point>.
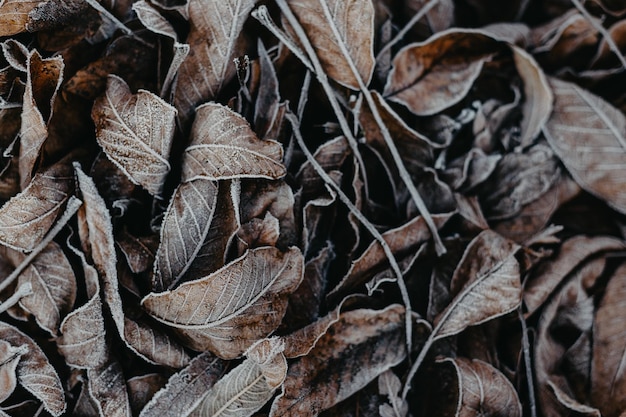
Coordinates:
<point>142,388</point>
<point>44,77</point>
<point>214,40</point>
<point>153,20</point>
<point>185,390</point>
<point>486,283</point>
<point>249,386</point>
<point>224,146</point>
<point>608,377</point>
<point>54,287</point>
<point>353,20</point>
<point>34,372</point>
<point>154,345</point>
<point>230,309</point>
<point>588,134</point>
<point>136,133</point>
<point>484,391</point>
<point>389,384</point>
<point>9,358</point>
<point>431,76</point>
<point>26,218</point>
<point>107,388</point>
<point>14,15</point>
<point>354,351</point>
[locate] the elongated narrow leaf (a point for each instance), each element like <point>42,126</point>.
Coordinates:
<point>589,135</point>
<point>224,146</point>
<point>354,21</point>
<point>230,309</point>
<point>34,372</point>
<point>355,350</point>
<point>107,388</point>
<point>185,390</point>
<point>27,217</point>
<point>487,282</point>
<point>431,76</point>
<point>608,378</point>
<point>54,287</point>
<point>214,41</point>
<point>136,133</point>
<point>249,386</point>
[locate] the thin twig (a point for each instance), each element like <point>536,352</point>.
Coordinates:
<point>607,37</point>
<point>527,364</point>
<point>366,223</point>
<point>404,174</point>
<point>22,291</point>
<point>72,206</point>
<point>416,18</point>
<point>108,15</point>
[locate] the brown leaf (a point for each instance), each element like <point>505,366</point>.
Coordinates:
<point>44,77</point>
<point>153,20</point>
<point>354,351</point>
<point>302,341</point>
<point>258,232</point>
<point>9,358</point>
<point>224,146</point>
<point>107,388</point>
<point>484,391</point>
<point>354,22</point>
<point>54,287</point>
<point>185,390</point>
<point>27,217</point>
<point>154,345</point>
<point>138,251</point>
<point>486,283</point>
<point>431,76</point>
<point>34,372</point>
<point>608,377</point>
<point>580,117</point>
<point>249,386</point>
<point>14,15</point>
<point>230,309</point>
<point>572,253</point>
<point>136,133</point>
<point>214,39</point>
<point>267,106</point>
<point>142,388</point>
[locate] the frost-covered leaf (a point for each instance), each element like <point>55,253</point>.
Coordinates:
<point>136,133</point>
<point>14,15</point>
<point>9,358</point>
<point>224,146</point>
<point>107,388</point>
<point>230,309</point>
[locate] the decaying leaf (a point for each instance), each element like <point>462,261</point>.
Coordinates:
<point>14,15</point>
<point>136,133</point>
<point>389,384</point>
<point>356,349</point>
<point>9,358</point>
<point>224,146</point>
<point>230,309</point>
<point>107,388</point>
<point>249,386</point>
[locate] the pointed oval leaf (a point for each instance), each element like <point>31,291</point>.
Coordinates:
<point>153,20</point>
<point>589,136</point>
<point>26,218</point>
<point>9,358</point>
<point>214,41</point>
<point>249,386</point>
<point>487,282</point>
<point>355,350</point>
<point>136,133</point>
<point>230,309</point>
<point>154,345</point>
<point>35,373</point>
<point>107,389</point>
<point>354,21</point>
<point>224,146</point>
<point>431,76</point>
<point>185,390</point>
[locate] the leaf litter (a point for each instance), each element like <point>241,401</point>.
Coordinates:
<point>312,207</point>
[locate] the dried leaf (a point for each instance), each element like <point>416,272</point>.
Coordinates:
<point>185,390</point>
<point>154,345</point>
<point>142,388</point>
<point>355,350</point>
<point>136,133</point>
<point>224,146</point>
<point>389,384</point>
<point>27,217</point>
<point>107,388</point>
<point>486,282</point>
<point>580,117</point>
<point>214,39</point>
<point>430,76</point>
<point>249,386</point>
<point>153,20</point>
<point>354,22</point>
<point>230,309</point>
<point>9,358</point>
<point>608,377</point>
<point>34,372</point>
<point>14,15</point>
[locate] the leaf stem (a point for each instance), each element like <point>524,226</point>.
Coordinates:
<point>72,207</point>
<point>366,223</point>
<point>22,291</point>
<point>527,364</point>
<point>404,174</point>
